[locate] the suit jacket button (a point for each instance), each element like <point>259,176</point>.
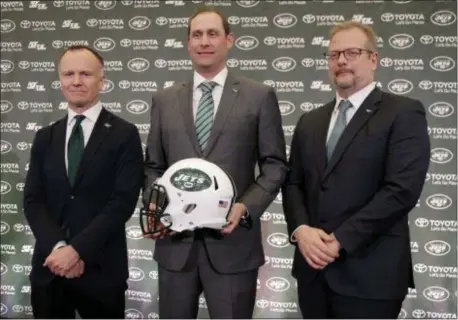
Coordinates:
<point>72,196</point>
<point>323,188</point>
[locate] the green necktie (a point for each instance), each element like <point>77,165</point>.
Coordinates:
<point>339,127</point>
<point>204,116</point>
<point>75,148</point>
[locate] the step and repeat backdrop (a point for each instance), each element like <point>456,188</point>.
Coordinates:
<point>279,43</point>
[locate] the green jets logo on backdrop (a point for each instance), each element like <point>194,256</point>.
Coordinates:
<point>191,180</point>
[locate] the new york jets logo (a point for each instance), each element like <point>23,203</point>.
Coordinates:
<point>192,180</point>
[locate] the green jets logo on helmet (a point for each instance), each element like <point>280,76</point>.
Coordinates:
<point>192,180</point>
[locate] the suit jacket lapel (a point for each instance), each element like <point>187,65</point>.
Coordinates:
<point>364,113</point>
<point>59,148</point>
<point>230,93</point>
<point>101,128</point>
<point>185,97</point>
<point>321,132</point>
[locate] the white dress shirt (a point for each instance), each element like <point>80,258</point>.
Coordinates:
<point>356,100</point>
<point>87,125</point>
<point>220,79</point>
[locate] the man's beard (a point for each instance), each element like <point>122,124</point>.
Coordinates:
<point>344,85</point>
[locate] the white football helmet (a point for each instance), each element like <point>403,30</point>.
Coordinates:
<point>192,193</point>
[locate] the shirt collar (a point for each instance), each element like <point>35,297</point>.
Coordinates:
<point>357,98</point>
<point>220,78</point>
<point>92,113</point>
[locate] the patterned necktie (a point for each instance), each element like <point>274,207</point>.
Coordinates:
<point>75,148</point>
<point>204,116</point>
<point>339,127</point>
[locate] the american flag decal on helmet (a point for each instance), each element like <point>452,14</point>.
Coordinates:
<point>222,204</point>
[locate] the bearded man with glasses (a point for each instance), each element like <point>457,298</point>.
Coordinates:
<point>357,168</point>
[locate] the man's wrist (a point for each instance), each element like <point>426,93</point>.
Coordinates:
<point>245,210</point>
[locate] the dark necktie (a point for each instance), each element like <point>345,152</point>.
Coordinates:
<point>75,148</point>
<point>339,127</point>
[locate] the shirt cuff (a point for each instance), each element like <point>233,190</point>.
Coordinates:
<point>59,245</point>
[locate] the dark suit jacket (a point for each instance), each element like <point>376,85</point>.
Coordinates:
<point>91,216</point>
<point>247,131</point>
<point>364,193</point>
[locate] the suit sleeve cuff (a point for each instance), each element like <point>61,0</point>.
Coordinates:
<point>293,238</point>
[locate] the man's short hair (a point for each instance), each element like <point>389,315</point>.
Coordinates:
<point>83,47</point>
<point>367,30</point>
<point>210,9</point>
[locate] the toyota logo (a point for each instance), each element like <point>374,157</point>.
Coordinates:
<point>262,303</point>
<point>161,21</point>
<point>425,85</point>
<point>160,63</point>
<point>426,39</point>
<point>134,233</point>
<point>420,267</point>
<point>421,222</point>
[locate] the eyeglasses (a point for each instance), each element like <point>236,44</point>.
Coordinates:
<point>349,54</point>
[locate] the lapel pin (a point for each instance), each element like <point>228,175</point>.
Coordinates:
<point>235,90</point>
<point>368,110</point>
<point>107,125</point>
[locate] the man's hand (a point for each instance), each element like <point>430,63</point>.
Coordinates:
<point>316,246</point>
<point>153,223</point>
<point>61,260</point>
<point>76,271</point>
<point>237,212</point>
<point>334,245</point>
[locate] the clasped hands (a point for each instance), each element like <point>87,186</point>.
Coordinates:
<point>65,262</point>
<point>317,247</point>
<point>237,212</point>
